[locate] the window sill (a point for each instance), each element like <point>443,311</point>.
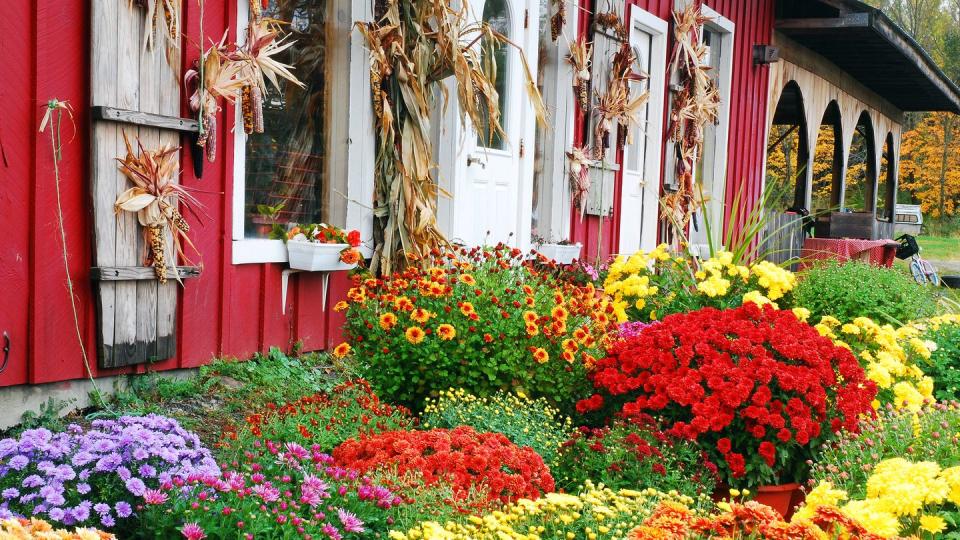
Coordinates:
<point>257,250</point>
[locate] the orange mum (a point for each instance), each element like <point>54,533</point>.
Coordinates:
<point>468,279</point>
<point>421,315</point>
<point>540,355</point>
<point>403,304</point>
<point>466,308</point>
<point>446,332</point>
<point>388,321</point>
<point>530,317</point>
<point>559,313</point>
<point>532,330</point>
<point>415,334</point>
<point>342,350</point>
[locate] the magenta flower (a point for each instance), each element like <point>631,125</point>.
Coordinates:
<point>351,523</point>
<point>154,496</point>
<point>192,531</point>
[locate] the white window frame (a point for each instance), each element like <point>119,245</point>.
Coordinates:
<point>648,178</point>
<point>351,137</point>
<point>726,29</point>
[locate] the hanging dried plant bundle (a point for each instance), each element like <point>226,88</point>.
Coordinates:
<point>232,72</point>
<point>256,10</point>
<point>610,20</point>
<point>163,23</point>
<point>579,60</point>
<point>558,20</point>
<point>154,198</point>
<point>616,105</point>
<point>222,79</point>
<point>695,103</point>
<point>579,170</point>
<point>414,47</point>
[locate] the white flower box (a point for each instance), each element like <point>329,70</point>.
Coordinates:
<point>316,257</point>
<point>562,253</point>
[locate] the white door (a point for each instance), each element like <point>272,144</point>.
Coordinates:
<point>492,176</point>
<point>640,197</point>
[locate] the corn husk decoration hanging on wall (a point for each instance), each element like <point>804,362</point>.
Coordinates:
<point>258,58</point>
<point>222,79</point>
<point>162,26</point>
<point>616,105</point>
<point>413,47</point>
<point>693,105</point>
<point>559,18</point>
<point>232,72</point>
<point>579,60</point>
<point>155,197</point>
<point>578,163</point>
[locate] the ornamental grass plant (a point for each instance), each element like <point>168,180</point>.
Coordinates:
<point>481,319</point>
<point>755,387</point>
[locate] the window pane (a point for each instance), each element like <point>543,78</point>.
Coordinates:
<point>497,15</point>
<point>286,165</point>
<point>539,189</point>
<point>636,152</point>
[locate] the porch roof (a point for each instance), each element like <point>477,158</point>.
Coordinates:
<point>873,49</point>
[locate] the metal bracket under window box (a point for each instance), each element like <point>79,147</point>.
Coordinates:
<point>600,197</point>
<point>285,279</point>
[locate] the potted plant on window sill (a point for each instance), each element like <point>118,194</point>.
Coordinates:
<point>267,221</point>
<point>319,247</point>
<point>563,252</point>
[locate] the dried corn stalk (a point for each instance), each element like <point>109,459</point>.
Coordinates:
<point>222,79</point>
<point>696,102</point>
<point>579,60</point>
<point>163,23</point>
<point>413,47</point>
<point>154,198</point>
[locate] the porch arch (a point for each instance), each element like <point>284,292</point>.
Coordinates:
<point>829,160</point>
<point>860,179</point>
<point>788,150</point>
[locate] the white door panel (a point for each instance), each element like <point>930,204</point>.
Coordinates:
<point>640,195</point>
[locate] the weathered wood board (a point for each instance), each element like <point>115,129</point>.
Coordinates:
<point>136,317</point>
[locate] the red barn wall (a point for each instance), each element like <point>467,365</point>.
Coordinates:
<point>749,86</point>
<point>232,310</point>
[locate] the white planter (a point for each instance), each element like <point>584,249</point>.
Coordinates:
<point>316,257</point>
<point>562,253</point>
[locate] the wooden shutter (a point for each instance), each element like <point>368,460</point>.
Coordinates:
<point>135,314</point>
<point>603,175</point>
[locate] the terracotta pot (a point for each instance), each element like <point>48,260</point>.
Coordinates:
<point>783,498</point>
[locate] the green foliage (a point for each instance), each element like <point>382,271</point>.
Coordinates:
<point>274,377</point>
<point>855,289</point>
<point>931,435</point>
<point>526,422</point>
<point>423,501</point>
<point>325,420</point>
<point>944,363</point>
<point>634,454</point>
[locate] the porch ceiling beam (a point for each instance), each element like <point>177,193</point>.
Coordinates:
<point>851,20</point>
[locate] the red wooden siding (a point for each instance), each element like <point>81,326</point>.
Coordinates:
<point>754,25</point>
<point>229,310</point>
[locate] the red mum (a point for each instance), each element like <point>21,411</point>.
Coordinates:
<point>744,382</point>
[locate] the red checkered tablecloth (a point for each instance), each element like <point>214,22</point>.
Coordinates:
<point>877,252</point>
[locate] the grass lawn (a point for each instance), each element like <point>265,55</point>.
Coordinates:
<point>938,248</point>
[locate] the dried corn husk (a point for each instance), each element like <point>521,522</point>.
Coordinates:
<point>558,20</point>
<point>153,198</point>
<point>162,21</point>
<point>579,60</point>
<point>579,163</point>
